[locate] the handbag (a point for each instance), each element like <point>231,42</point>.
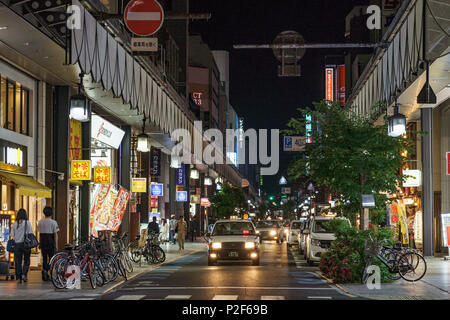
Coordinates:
<point>10,245</point>
<point>29,239</point>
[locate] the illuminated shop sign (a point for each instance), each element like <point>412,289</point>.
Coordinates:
<point>13,157</point>
<point>329,78</point>
<point>106,132</point>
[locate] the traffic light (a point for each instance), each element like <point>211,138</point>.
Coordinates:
<point>271,198</point>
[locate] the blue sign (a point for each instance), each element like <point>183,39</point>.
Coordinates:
<point>180,175</point>
<point>156,190</point>
<point>210,227</point>
<point>182,196</point>
<point>287,142</point>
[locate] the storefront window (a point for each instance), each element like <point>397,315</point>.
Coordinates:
<point>14,103</point>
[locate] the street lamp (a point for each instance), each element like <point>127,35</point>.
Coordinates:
<point>142,140</point>
<point>396,123</point>
<point>207,181</point>
<point>80,107</point>
<point>194,174</point>
<point>175,162</point>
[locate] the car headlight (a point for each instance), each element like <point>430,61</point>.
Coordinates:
<point>249,245</point>
<point>216,245</point>
<point>273,233</point>
<point>315,242</point>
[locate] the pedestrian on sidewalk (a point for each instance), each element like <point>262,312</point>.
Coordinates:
<point>18,230</point>
<point>172,226</point>
<point>153,226</point>
<point>181,229</point>
<point>48,240</point>
<point>164,231</point>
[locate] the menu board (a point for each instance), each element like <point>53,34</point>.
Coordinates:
<point>5,230</point>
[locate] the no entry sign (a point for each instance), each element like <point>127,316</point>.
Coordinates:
<point>143,17</point>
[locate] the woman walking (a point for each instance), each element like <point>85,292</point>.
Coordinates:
<point>164,231</point>
<point>21,227</point>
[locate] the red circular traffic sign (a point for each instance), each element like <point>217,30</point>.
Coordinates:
<point>143,17</point>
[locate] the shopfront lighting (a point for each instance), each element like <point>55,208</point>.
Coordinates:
<point>396,123</point>
<point>142,140</point>
<point>218,186</point>
<point>175,162</point>
<point>194,174</point>
<point>208,181</point>
<point>80,107</point>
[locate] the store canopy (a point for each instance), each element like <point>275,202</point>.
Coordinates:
<point>28,186</point>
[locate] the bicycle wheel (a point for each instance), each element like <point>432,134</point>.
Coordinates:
<point>53,262</point>
<point>91,269</point>
<point>134,253</point>
<point>59,270</point>
<point>412,266</point>
<point>110,268</point>
<point>127,262</point>
<point>159,254</point>
<point>122,270</point>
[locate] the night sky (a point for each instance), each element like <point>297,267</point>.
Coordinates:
<point>256,92</point>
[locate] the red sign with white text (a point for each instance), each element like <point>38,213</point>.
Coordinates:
<point>329,78</point>
<point>143,17</point>
<point>448,163</point>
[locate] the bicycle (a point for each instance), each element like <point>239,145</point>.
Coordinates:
<point>151,250</point>
<point>401,262</point>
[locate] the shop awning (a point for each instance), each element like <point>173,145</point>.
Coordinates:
<point>28,186</point>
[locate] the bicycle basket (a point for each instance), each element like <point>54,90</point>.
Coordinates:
<point>371,247</point>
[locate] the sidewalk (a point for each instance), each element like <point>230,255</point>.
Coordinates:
<point>35,288</point>
<point>434,285</point>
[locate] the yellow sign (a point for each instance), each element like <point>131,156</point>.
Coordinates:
<point>195,198</point>
<point>403,223</point>
<point>81,170</point>
<point>154,210</point>
<point>102,174</point>
<point>138,184</point>
<point>75,140</point>
<point>245,216</point>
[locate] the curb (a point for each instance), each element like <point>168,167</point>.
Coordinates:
<point>336,284</point>
<point>147,270</point>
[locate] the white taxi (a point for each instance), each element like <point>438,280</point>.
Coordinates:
<point>233,240</point>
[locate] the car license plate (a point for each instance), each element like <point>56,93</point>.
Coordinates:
<point>233,254</point>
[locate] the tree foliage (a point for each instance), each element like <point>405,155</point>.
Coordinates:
<point>350,156</point>
<point>227,200</point>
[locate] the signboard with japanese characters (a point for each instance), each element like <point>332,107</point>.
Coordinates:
<point>118,210</point>
<point>102,174</point>
<point>75,140</point>
<point>292,143</point>
<point>155,162</point>
<point>139,185</point>
<point>181,196</point>
<point>144,44</point>
<point>180,175</point>
<point>156,190</point>
<point>13,157</point>
<point>413,179</point>
<point>104,131</point>
<point>80,170</point>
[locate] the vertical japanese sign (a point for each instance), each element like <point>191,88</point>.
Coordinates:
<point>308,128</point>
<point>118,210</point>
<point>329,87</point>
<point>155,162</point>
<point>75,140</point>
<point>448,163</point>
<point>180,175</point>
<point>341,84</point>
<point>81,170</point>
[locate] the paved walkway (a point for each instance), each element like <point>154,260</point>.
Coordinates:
<point>434,285</point>
<point>35,288</point>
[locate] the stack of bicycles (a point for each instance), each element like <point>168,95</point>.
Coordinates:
<point>95,263</point>
<point>151,251</point>
<point>402,262</point>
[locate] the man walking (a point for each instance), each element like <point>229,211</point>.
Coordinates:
<point>48,236</point>
<point>172,226</point>
<point>153,226</point>
<point>181,229</point>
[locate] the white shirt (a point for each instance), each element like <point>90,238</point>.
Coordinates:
<point>18,230</point>
<point>47,225</point>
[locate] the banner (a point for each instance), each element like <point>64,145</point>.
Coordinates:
<point>100,199</point>
<point>118,210</point>
<point>180,175</point>
<point>341,84</point>
<point>155,162</point>
<point>75,140</point>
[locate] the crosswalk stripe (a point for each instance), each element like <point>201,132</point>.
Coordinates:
<point>319,297</point>
<point>224,297</point>
<point>177,297</point>
<point>273,298</point>
<point>130,297</point>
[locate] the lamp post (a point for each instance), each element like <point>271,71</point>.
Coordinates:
<point>396,123</point>
<point>142,140</point>
<point>80,107</point>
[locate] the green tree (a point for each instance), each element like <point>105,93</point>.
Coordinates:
<point>350,155</point>
<point>288,209</point>
<point>227,200</point>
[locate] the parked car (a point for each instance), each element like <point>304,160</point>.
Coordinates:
<point>292,232</point>
<point>233,240</point>
<point>318,238</point>
<point>268,229</point>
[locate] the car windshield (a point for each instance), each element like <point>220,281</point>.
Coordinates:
<point>233,229</point>
<point>319,227</point>
<point>295,225</point>
<point>266,224</point>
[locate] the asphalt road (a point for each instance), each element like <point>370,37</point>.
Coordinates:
<point>282,275</point>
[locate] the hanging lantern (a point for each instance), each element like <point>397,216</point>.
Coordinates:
<point>143,144</point>
<point>80,107</point>
<point>397,124</point>
<point>175,162</point>
<point>208,181</point>
<point>218,186</point>
<point>194,174</point>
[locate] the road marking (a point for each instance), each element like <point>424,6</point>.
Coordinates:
<point>178,297</point>
<point>224,297</point>
<point>249,288</point>
<point>273,298</point>
<point>130,297</point>
<point>319,297</point>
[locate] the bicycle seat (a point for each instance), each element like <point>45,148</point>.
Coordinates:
<point>69,247</point>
